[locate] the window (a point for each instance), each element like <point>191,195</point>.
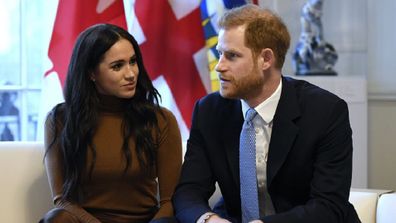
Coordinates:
<point>26,30</point>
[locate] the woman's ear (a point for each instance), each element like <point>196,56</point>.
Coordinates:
<point>268,58</point>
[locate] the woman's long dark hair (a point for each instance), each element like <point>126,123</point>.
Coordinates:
<point>80,110</point>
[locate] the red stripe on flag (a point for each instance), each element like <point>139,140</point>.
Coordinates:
<point>169,48</point>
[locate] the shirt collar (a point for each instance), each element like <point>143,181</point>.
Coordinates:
<point>267,108</point>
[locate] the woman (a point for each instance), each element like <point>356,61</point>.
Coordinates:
<point>110,143</point>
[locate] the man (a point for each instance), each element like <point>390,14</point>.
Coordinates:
<point>302,146</point>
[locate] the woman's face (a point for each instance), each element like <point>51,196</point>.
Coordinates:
<point>117,73</point>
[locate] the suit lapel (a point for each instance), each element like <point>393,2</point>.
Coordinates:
<point>232,124</point>
<point>284,129</point>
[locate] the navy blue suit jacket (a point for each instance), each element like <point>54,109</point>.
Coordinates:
<point>309,162</point>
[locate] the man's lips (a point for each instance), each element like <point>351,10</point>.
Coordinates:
<point>223,79</point>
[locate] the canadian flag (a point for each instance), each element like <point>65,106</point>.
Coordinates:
<point>170,36</point>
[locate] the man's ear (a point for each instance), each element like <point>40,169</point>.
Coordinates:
<point>268,58</point>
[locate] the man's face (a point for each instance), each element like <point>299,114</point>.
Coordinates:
<point>238,71</point>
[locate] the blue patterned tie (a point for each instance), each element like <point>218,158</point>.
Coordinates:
<point>247,169</point>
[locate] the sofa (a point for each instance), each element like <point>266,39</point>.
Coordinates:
<point>374,206</point>
<point>25,194</point>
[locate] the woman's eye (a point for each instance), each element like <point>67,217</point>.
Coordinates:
<point>116,67</point>
<point>132,61</point>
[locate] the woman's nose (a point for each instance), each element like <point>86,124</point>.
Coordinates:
<point>130,73</point>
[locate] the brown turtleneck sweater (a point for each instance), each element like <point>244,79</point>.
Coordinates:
<point>110,196</point>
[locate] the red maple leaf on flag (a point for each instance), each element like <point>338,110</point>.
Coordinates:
<point>74,16</point>
<point>169,50</point>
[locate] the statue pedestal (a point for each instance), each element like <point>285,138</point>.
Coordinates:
<point>317,73</point>
<point>353,90</point>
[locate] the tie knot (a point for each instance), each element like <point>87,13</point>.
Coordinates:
<point>250,114</point>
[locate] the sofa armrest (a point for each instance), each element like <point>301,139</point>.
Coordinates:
<point>25,194</point>
<point>386,208</point>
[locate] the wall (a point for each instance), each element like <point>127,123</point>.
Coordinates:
<point>381,32</point>
<point>381,67</point>
<point>381,144</point>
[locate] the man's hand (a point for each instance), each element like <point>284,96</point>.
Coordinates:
<point>217,219</point>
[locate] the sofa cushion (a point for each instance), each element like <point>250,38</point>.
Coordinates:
<point>365,203</point>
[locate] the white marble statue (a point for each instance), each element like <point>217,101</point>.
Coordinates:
<point>313,55</point>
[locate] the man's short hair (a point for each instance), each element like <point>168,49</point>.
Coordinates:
<point>264,29</point>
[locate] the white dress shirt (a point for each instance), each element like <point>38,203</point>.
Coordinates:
<point>263,126</point>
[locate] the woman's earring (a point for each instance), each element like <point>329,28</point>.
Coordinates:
<point>92,77</point>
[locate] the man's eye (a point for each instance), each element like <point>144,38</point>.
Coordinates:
<point>231,56</point>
